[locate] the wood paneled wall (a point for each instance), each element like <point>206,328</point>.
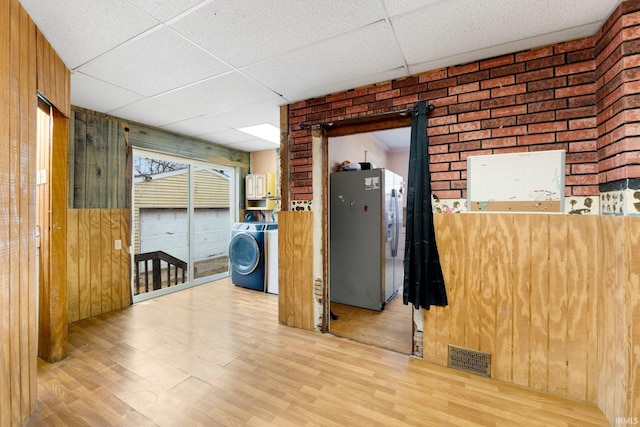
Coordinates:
<point>553,298</point>
<point>98,156</point>
<point>295,269</point>
<point>99,275</point>
<point>28,65</point>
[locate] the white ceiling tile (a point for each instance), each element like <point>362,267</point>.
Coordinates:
<point>97,95</point>
<point>80,30</point>
<point>326,66</point>
<point>397,7</point>
<point>246,32</point>
<point>254,145</point>
<point>164,10</point>
<point>155,62</point>
<point>147,111</point>
<point>450,28</point>
<point>197,126</point>
<point>220,93</point>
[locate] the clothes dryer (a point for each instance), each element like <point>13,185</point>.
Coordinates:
<point>247,254</point>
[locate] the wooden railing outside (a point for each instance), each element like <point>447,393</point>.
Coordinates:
<point>156,258</point>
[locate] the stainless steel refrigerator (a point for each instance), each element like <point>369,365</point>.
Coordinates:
<point>366,244</point>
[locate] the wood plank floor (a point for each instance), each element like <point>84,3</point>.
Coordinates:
<point>216,355</point>
<point>391,328</point>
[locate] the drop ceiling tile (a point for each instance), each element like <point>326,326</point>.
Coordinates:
<point>398,7</point>
<point>220,93</point>
<point>243,33</point>
<point>332,64</point>
<point>157,61</point>
<point>254,145</point>
<point>87,92</point>
<point>164,10</point>
<point>252,114</point>
<point>148,111</point>
<point>197,126</point>
<point>450,28</point>
<point>80,30</point>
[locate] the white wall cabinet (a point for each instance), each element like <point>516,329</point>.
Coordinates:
<point>260,190</point>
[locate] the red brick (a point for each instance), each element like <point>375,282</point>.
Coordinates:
<point>450,194</point>
<point>438,130</point>
<point>458,166</point>
<point>578,135</point>
<point>342,104</point>
<point>530,76</point>
<point>581,101</point>
<point>579,67</point>
<point>469,87</point>
<point>508,90</point>
<point>438,167</point>
<point>464,127</point>
<point>498,82</point>
<point>441,139</point>
<point>464,107</point>
<point>470,136</point>
<point>534,54</point>
<point>541,95</point>
<point>555,104</point>
<point>463,69</point>
<point>445,176</point>
<point>499,142</point>
<point>433,75</point>
<point>443,83</point>
<point>474,96</point>
<point>442,120</point>
<point>437,149</point>
<point>380,87</point>
<point>496,62</point>
<point>474,115</point>
<point>499,122</point>
<point>388,94</point>
<point>573,45</point>
<point>551,61</point>
<point>464,146</point>
<point>509,131</point>
<point>581,180</point>
<point>507,70</point>
<point>498,102</point>
<point>587,89</point>
<point>440,185</point>
<point>441,158</point>
<point>547,116</point>
<point>552,83</point>
<point>478,76</point>
<point>584,123</point>
<point>409,99</point>
<point>573,113</point>
<point>543,138</point>
<point>585,168</point>
<point>508,150</point>
<point>547,127</point>
<point>509,111</point>
<point>583,190</point>
<point>357,108</point>
<point>356,93</point>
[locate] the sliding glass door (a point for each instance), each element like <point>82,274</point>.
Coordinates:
<point>182,216</point>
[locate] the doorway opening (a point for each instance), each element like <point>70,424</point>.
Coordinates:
<point>183,211</point>
<point>359,309</point>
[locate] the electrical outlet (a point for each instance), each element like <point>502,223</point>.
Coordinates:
<point>118,244</point>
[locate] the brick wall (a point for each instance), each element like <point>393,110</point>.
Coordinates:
<point>618,95</point>
<point>577,96</point>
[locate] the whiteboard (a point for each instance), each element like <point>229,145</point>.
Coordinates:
<point>519,182</point>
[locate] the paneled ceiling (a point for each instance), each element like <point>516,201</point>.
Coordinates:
<point>207,68</point>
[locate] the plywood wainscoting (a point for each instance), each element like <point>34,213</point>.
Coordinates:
<point>553,298</point>
<point>98,274</point>
<point>295,269</point>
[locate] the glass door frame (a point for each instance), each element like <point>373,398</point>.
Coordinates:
<point>234,194</point>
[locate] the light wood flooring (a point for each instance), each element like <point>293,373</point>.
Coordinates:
<point>216,355</point>
<point>391,328</point>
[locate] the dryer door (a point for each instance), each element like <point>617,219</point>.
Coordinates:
<point>244,253</point>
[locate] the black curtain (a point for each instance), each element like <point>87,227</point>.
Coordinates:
<point>423,280</point>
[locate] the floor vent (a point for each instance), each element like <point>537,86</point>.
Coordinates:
<point>473,361</point>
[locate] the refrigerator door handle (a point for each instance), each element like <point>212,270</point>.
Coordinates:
<point>394,225</point>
